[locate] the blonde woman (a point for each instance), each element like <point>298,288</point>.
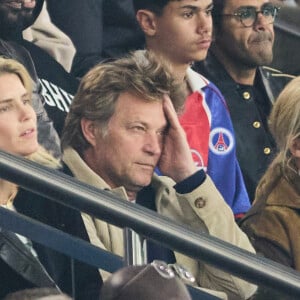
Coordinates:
<point>18,122</point>
<point>273,223</point>
<point>18,136</point>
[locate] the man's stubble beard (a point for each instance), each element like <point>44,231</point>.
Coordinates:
<point>14,20</point>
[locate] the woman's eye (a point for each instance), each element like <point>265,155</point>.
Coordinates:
<point>26,101</point>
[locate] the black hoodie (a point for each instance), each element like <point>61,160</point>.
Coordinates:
<point>56,85</point>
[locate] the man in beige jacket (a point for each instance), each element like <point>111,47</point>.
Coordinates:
<point>121,125</point>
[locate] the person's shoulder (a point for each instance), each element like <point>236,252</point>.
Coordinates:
<point>288,20</point>
<point>273,80</point>
<point>196,80</point>
<point>199,82</point>
<point>16,51</point>
<point>13,46</point>
<point>48,68</point>
<point>270,72</point>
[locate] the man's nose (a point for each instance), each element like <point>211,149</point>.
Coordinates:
<point>260,20</point>
<point>153,144</point>
<point>204,22</point>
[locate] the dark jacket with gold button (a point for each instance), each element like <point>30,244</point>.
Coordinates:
<point>249,113</point>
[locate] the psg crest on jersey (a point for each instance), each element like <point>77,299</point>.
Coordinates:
<point>221,141</point>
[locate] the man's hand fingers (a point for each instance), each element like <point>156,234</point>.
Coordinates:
<point>170,112</point>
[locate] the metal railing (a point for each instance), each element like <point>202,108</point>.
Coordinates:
<point>75,248</point>
<point>101,204</point>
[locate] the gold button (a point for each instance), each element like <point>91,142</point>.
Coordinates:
<point>200,202</point>
<point>256,124</point>
<point>246,95</point>
<point>267,150</point>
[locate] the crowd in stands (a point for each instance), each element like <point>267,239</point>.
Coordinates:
<point>172,105</point>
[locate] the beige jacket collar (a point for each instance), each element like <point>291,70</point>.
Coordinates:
<point>82,172</point>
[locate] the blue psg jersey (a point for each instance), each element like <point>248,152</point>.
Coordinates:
<point>210,134</point>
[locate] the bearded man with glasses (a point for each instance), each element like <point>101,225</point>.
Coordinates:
<point>237,63</point>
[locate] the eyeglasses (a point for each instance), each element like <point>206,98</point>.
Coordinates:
<point>248,15</point>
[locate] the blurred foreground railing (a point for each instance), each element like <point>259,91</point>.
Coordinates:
<point>101,204</point>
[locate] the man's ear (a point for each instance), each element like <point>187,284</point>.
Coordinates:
<point>147,21</point>
<point>295,147</point>
<point>89,130</point>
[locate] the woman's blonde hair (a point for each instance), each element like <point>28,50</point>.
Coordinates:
<point>11,66</point>
<point>285,127</point>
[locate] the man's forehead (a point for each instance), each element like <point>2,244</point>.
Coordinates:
<point>134,109</point>
<point>239,3</point>
<point>193,1</point>
<point>197,3</point>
